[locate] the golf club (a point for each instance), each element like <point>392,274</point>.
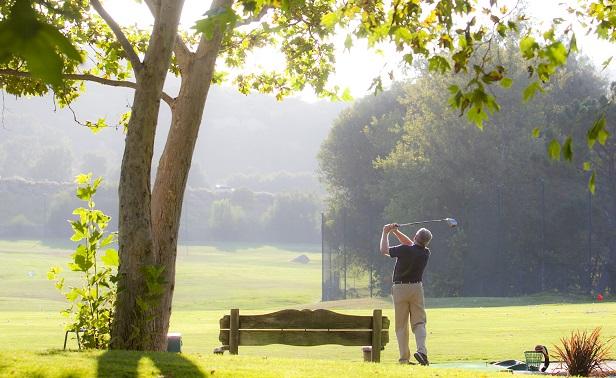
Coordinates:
<point>450,222</point>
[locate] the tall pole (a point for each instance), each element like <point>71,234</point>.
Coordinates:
<point>344,251</point>
<point>371,253</point>
<point>323,284</point>
<point>500,255</point>
<point>589,241</point>
<point>330,283</point>
<point>542,267</point>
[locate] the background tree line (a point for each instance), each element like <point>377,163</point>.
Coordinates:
<point>527,224</point>
<point>40,210</point>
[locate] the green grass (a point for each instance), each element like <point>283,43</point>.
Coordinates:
<point>131,364</point>
<point>259,279</point>
<point>208,277</point>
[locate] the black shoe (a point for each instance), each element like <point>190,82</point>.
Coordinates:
<point>421,358</point>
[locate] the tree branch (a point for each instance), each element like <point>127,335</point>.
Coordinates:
<point>181,51</point>
<point>89,77</point>
<point>128,48</point>
<point>255,18</point>
<point>206,44</point>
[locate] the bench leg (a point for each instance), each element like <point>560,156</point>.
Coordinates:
<point>377,327</point>
<point>78,340</point>
<point>234,331</point>
<point>65,338</point>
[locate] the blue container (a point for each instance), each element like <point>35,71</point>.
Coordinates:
<point>174,342</point>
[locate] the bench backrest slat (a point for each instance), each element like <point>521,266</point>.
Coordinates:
<point>303,319</point>
<point>301,338</point>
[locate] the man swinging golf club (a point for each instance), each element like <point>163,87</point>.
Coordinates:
<point>407,290</point>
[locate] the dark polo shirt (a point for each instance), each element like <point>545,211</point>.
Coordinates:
<point>411,260</point>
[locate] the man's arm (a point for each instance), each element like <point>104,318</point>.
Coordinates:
<point>403,238</point>
<point>385,239</point>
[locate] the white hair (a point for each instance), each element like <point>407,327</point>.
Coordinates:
<point>423,237</point>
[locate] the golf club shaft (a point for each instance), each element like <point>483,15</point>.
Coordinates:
<point>421,222</point>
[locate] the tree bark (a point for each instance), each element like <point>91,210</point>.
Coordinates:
<point>174,165</point>
<point>135,327</point>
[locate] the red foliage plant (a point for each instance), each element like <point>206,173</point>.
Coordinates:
<point>584,353</point>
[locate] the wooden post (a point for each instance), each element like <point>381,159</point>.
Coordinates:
<point>377,327</point>
<point>234,331</point>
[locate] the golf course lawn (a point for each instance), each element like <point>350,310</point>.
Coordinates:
<point>259,279</point>
<point>132,364</point>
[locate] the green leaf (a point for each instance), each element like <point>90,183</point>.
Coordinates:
<point>83,178</point>
<point>567,149</point>
<point>530,91</point>
<point>557,53</point>
<point>97,126</point>
<point>404,34</point>
<point>53,272</point>
<point>346,95</point>
<point>72,295</point>
<point>506,82</point>
<point>536,132</point>
<point>41,45</point>
<point>111,258</point>
<point>107,240</point>
<point>453,89</point>
<point>79,229</point>
<point>477,116</point>
<point>408,58</point>
<point>97,182</point>
<point>84,194</point>
<point>501,29</point>
<point>554,150</point>
<point>587,166</point>
<point>591,183</point>
<point>597,131</point>
<point>377,85</point>
<point>602,136</point>
<point>573,44</point>
<point>438,64</point>
<point>348,42</point>
<point>329,20</point>
<point>606,63</point>
<point>218,19</point>
<point>528,47</point>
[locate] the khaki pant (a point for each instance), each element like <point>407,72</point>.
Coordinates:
<point>409,305</point>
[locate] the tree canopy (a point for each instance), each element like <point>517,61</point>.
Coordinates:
<point>524,220</point>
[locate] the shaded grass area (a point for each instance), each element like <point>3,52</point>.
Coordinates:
<point>136,364</point>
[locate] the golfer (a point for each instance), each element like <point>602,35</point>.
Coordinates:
<point>407,291</point>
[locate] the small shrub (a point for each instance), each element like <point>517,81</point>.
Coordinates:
<point>584,353</point>
<point>91,302</point>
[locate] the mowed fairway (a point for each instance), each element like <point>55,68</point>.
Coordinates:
<point>258,279</point>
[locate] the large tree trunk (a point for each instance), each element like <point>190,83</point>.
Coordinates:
<point>174,165</point>
<point>133,326</point>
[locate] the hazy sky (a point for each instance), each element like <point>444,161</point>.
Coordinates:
<point>355,69</point>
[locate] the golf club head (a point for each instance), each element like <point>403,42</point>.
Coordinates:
<point>451,222</point>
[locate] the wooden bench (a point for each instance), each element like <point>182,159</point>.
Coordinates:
<point>304,328</point>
